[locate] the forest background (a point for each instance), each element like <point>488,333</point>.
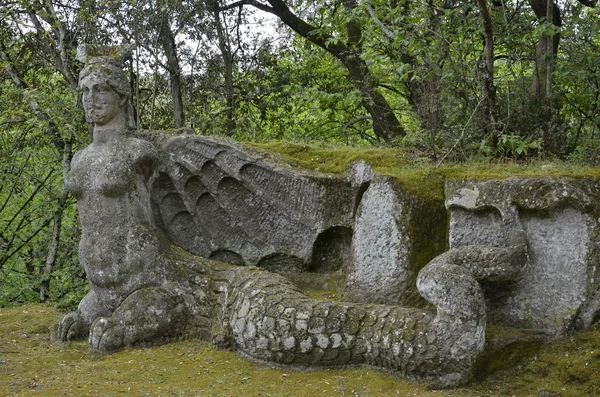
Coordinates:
<point>454,81</point>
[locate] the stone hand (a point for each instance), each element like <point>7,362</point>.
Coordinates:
<point>106,335</point>
<point>72,327</point>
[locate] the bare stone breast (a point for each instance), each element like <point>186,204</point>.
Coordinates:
<point>110,174</point>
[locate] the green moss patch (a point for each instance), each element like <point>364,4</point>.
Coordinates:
<point>420,177</point>
<point>507,347</point>
<point>335,160</point>
<point>327,286</point>
<point>569,367</point>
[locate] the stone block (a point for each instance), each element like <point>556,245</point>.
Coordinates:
<point>395,235</point>
<point>558,220</point>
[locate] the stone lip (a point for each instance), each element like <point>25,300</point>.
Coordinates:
<point>539,193</point>
<point>361,173</point>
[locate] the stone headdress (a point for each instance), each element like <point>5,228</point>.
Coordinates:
<point>106,63</point>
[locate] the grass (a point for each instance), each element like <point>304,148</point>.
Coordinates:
<point>32,365</point>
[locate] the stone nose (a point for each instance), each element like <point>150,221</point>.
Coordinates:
<point>92,95</point>
<point>90,98</point>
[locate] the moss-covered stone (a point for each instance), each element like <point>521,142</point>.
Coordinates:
<point>260,213</point>
<point>396,234</point>
<point>423,179</point>
<point>539,237</point>
<point>321,285</point>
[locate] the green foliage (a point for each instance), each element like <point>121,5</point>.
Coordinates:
<point>31,183</point>
<point>300,98</point>
<point>26,200</point>
<point>510,146</point>
<point>36,120</point>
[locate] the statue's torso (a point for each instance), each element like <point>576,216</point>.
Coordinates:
<point>109,170</point>
<point>119,240</point>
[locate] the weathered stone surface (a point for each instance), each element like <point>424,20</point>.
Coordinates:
<point>395,235</point>
<point>213,198</point>
<point>139,294</point>
<point>556,220</point>
<point>269,319</point>
<point>528,248</point>
<point>144,290</point>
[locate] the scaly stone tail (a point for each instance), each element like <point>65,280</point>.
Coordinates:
<point>267,318</point>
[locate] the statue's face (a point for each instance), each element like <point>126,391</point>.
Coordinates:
<point>100,102</point>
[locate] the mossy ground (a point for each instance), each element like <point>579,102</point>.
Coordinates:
<point>419,176</point>
<point>31,364</point>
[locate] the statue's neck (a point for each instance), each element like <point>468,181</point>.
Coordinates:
<point>104,136</point>
<point>116,129</point>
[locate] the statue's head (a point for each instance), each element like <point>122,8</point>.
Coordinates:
<point>103,83</point>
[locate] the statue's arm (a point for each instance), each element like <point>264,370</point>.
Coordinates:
<point>72,183</point>
<point>146,157</point>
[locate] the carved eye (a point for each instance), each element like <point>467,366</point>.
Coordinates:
<point>104,88</point>
<point>85,90</point>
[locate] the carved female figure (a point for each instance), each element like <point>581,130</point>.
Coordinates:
<point>121,249</point>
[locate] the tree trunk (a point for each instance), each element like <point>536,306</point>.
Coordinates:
<point>486,70</point>
<point>385,123</point>
<point>547,47</point>
<point>56,228</point>
<point>541,87</point>
<point>168,44</point>
<point>423,93</point>
<point>225,48</point>
<point>550,58</point>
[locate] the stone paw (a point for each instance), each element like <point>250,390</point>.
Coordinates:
<point>106,335</point>
<point>72,327</point>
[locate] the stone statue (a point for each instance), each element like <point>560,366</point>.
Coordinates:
<point>135,292</point>
<point>145,290</point>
